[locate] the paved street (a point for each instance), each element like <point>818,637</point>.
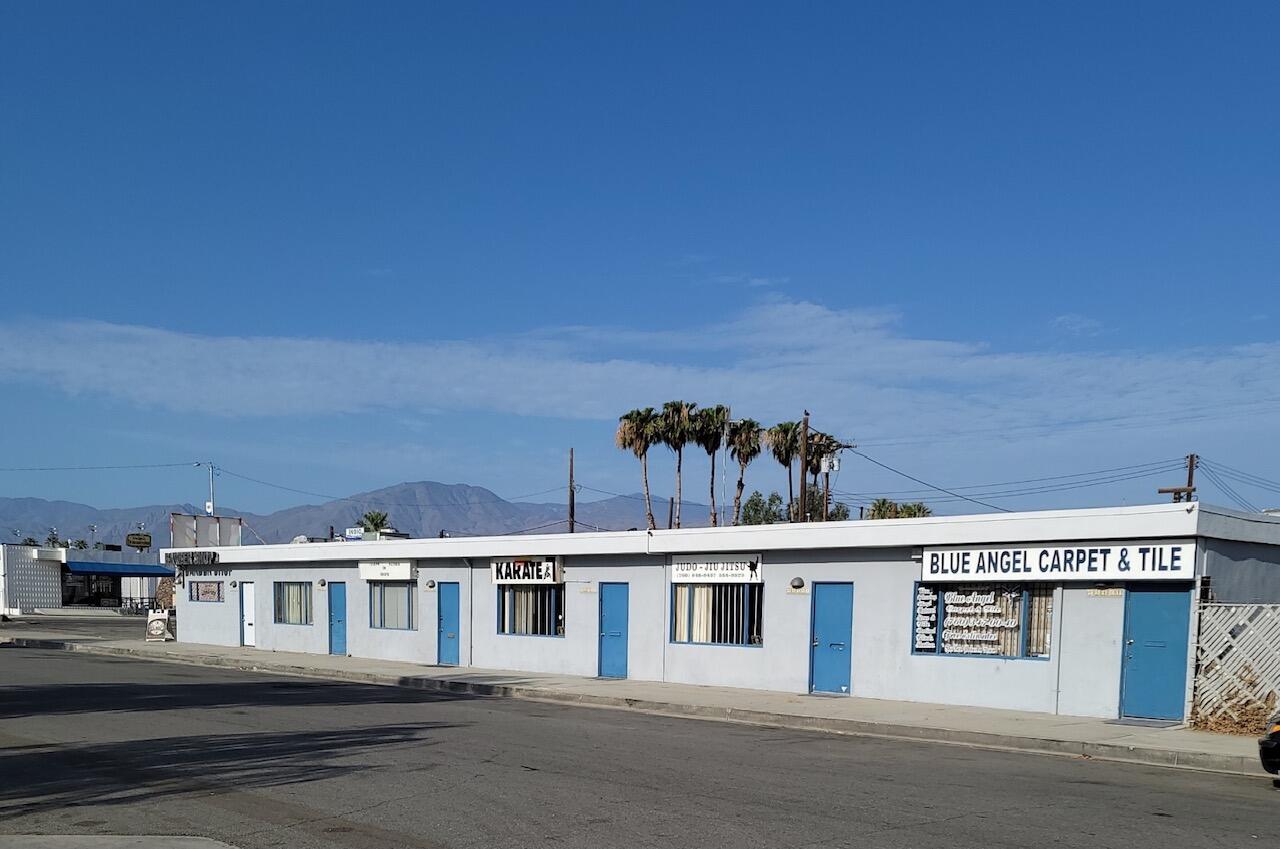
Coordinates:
<point>110,627</point>
<point>95,745</point>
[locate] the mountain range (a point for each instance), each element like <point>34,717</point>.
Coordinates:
<point>421,509</point>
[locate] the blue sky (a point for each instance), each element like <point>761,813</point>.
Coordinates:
<point>336,246</point>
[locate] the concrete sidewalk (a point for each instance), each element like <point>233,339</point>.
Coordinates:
<point>983,727</point>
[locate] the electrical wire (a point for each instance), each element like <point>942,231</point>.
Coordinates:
<point>1227,490</point>
<point>379,502</point>
<point>98,468</point>
<point>1241,476</point>
<point>1173,461</point>
<point>1051,488</point>
<point>926,483</point>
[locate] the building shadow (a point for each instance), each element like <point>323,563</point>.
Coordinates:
<point>44,777</point>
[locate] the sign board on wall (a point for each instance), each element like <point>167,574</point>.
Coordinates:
<point>716,569</point>
<point>387,570</point>
<point>925,638</point>
<point>1095,561</point>
<point>527,570</point>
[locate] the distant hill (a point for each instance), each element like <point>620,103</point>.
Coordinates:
<point>420,509</point>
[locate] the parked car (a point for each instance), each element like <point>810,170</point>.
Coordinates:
<point>1269,746</point>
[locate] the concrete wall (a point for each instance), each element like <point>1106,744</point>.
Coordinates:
<point>1242,572</point>
<point>29,584</point>
<point>577,652</point>
<point>1081,676</point>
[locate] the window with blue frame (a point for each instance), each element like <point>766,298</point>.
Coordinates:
<point>718,614</point>
<point>531,610</point>
<point>986,620</point>
<point>391,605</point>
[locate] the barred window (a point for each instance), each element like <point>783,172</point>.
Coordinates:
<point>204,591</point>
<point>292,602</point>
<point>391,605</point>
<point>991,620</point>
<point>718,614</point>
<point>536,611</point>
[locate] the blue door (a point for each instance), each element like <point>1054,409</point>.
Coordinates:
<point>1157,623</point>
<point>337,618</point>
<point>447,616</point>
<point>830,659</point>
<point>613,630</point>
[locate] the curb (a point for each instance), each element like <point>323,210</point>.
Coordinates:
<point>1202,761</point>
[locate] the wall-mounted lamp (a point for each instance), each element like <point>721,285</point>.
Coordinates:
<point>234,584</point>
<point>797,583</point>
<point>323,582</point>
<point>431,585</point>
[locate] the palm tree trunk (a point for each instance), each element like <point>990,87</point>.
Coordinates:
<point>715,520</point>
<point>737,498</point>
<point>648,502</point>
<point>679,464</point>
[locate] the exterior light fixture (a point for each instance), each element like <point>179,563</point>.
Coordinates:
<point>797,583</point>
<point>323,582</point>
<point>431,585</point>
<point>234,584</point>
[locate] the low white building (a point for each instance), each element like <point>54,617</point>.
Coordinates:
<point>34,578</point>
<point>1082,612</point>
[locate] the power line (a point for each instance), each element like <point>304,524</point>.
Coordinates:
<point>1162,464</point>
<point>1049,488</point>
<point>1244,477</point>
<point>926,483</point>
<point>1226,489</point>
<point>380,502</point>
<point>99,468</point>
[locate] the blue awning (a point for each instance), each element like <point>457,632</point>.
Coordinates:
<point>124,570</point>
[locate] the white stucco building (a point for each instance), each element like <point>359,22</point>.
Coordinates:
<point>1082,612</point>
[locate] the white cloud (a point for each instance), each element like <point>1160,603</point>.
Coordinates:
<point>868,378</point>
<point>1077,324</point>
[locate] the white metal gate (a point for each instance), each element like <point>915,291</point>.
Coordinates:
<point>1237,667</point>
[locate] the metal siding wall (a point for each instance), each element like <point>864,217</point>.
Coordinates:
<point>1242,572</point>
<point>30,584</point>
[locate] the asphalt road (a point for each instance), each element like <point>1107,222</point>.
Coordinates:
<point>94,745</point>
<point>104,627</point>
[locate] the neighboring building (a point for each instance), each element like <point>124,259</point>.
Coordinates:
<point>34,578</point>
<point>1082,612</point>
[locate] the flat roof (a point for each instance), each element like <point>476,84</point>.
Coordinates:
<point>1149,521</point>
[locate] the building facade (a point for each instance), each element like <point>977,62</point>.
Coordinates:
<point>1079,612</point>
<point>36,578</point>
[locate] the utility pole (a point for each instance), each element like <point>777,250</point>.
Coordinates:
<point>1187,492</point>
<point>571,492</point>
<point>210,508</point>
<point>802,514</point>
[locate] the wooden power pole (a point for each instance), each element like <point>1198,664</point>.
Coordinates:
<point>571,492</point>
<point>802,514</point>
<point>1181,493</point>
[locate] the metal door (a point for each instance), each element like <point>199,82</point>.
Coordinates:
<point>447,617</point>
<point>247,607</point>
<point>613,630</point>
<point>831,641</point>
<point>337,618</point>
<point>1157,621</point>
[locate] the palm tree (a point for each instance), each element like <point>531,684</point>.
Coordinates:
<point>914,510</point>
<point>882,508</point>
<point>745,444</point>
<point>374,520</point>
<point>708,432</point>
<point>637,433</point>
<point>784,444</point>
<point>676,431</point>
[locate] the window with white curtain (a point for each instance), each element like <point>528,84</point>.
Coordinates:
<point>717,614</point>
<point>292,602</point>
<point>534,610</point>
<point>391,605</point>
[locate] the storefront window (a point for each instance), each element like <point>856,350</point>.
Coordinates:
<point>536,611</point>
<point>989,620</point>
<point>719,614</point>
<point>391,605</point>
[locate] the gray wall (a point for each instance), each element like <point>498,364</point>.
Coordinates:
<point>1081,676</point>
<point>578,651</point>
<point>1242,572</point>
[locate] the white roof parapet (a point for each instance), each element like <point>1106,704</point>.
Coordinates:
<point>1150,521</point>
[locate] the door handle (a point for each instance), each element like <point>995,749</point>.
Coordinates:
<point>815,643</point>
<point>1128,642</point>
